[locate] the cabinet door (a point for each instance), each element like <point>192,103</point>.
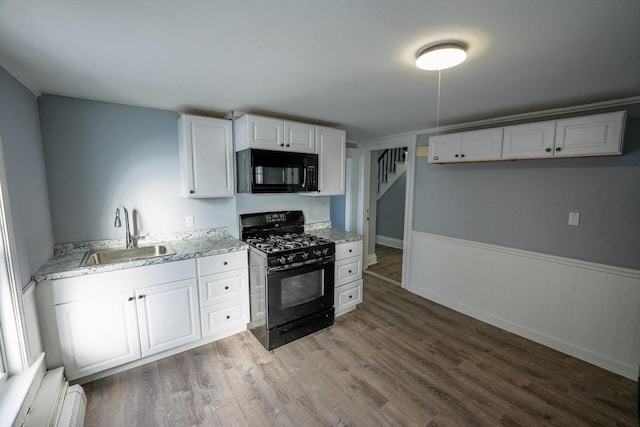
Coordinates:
<point>532,140</point>
<point>481,145</point>
<point>299,137</point>
<point>168,315</point>
<point>445,148</point>
<point>219,319</point>
<point>265,133</point>
<point>348,270</point>
<point>206,153</point>
<point>347,297</point>
<point>216,288</point>
<point>98,334</point>
<point>590,135</point>
<point>332,155</point>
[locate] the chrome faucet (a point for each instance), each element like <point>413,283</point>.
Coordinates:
<point>128,239</point>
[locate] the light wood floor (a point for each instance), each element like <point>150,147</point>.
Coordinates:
<point>389,263</point>
<point>397,360</point>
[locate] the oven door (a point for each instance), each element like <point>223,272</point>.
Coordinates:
<point>293,293</point>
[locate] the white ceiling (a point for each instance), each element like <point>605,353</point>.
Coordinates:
<point>345,63</point>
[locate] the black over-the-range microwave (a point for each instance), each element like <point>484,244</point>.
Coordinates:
<point>266,171</point>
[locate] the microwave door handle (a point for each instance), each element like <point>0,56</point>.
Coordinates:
<point>304,178</point>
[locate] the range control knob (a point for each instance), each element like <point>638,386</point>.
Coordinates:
<point>282,260</point>
<point>291,257</point>
<point>305,255</point>
<point>325,251</point>
<point>317,252</point>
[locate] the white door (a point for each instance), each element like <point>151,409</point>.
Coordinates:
<point>332,156</point>
<point>98,334</point>
<point>531,140</point>
<point>590,135</point>
<point>481,145</point>
<point>210,148</point>
<point>299,137</point>
<point>168,315</point>
<point>266,133</point>
<point>445,148</point>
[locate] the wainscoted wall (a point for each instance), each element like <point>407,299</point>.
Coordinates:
<point>584,309</point>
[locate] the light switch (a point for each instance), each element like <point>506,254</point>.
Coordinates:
<point>189,220</point>
<point>574,218</point>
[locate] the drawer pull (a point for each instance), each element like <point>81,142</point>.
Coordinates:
<point>226,288</point>
<point>228,317</point>
<point>141,296</point>
<point>350,296</point>
<point>350,250</point>
<point>225,263</point>
<point>349,271</point>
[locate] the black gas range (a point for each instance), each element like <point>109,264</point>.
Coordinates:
<point>291,277</point>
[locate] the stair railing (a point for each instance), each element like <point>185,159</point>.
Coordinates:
<point>387,162</point>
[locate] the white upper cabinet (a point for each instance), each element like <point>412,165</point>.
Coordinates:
<point>594,135</point>
<point>299,137</point>
<point>206,157</point>
<point>531,140</point>
<point>267,133</point>
<point>479,145</point>
<point>332,155</point>
<point>168,315</point>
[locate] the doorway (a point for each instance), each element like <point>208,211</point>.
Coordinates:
<point>377,255</point>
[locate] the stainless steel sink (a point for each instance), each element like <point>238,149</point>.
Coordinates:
<point>110,256</point>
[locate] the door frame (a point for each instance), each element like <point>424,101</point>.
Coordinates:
<point>364,194</point>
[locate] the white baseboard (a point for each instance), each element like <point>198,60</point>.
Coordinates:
<point>389,241</point>
<point>372,259</point>
<point>587,310</point>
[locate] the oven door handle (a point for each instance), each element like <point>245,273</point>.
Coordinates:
<point>314,262</point>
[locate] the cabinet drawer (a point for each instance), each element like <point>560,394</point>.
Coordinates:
<point>221,263</point>
<point>348,296</point>
<point>219,317</point>
<point>348,270</point>
<point>216,288</point>
<point>346,250</point>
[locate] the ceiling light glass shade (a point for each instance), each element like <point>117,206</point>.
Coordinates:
<point>441,56</point>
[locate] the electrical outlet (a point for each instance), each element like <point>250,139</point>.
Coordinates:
<point>189,220</point>
<point>574,218</point>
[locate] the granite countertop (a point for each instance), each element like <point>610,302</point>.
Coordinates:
<point>333,234</point>
<point>67,257</point>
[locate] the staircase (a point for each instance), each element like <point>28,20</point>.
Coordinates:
<point>392,163</point>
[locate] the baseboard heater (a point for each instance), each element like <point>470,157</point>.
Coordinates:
<point>57,404</point>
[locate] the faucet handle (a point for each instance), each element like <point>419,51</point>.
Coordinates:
<point>117,222</point>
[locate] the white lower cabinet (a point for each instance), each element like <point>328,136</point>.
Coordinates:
<point>224,294</point>
<point>101,321</point>
<point>168,316</point>
<point>98,334</point>
<point>104,331</point>
<point>348,277</point>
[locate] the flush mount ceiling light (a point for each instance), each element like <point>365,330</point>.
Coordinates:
<point>441,56</point>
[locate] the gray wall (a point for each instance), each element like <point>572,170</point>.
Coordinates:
<point>525,204</point>
<point>338,206</point>
<point>99,155</point>
<point>390,210</point>
<point>26,181</point>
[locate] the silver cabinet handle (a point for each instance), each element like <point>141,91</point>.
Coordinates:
<point>436,158</point>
